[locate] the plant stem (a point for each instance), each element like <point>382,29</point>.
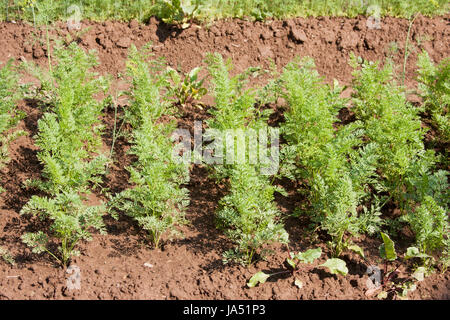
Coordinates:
<point>49,252</point>
<point>406,48</point>
<point>34,17</point>
<point>48,49</point>
<point>156,238</point>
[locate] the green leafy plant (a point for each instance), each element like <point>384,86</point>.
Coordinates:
<point>392,125</point>
<point>100,10</point>
<point>9,115</point>
<point>147,79</point>
<point>294,260</point>
<point>406,170</point>
<point>248,213</point>
<point>336,266</point>
<point>180,12</point>
<point>303,257</point>
<point>71,219</point>
<point>319,154</point>
<point>157,201</point>
<point>259,277</point>
<point>390,284</point>
<point>69,135</point>
<point>188,89</point>
<point>69,141</point>
<point>234,102</point>
<point>434,86</point>
<point>6,256</point>
<point>429,222</point>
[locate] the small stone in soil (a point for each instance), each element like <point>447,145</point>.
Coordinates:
<point>298,35</point>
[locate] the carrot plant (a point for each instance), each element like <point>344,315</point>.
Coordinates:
<point>69,142</point>
<point>6,256</point>
<point>334,171</point>
<point>157,199</point>
<point>9,115</point>
<point>248,213</point>
<point>434,85</point>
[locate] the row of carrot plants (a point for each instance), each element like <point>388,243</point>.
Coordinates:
<point>349,174</point>
<point>69,141</point>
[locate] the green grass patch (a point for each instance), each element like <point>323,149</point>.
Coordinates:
<point>201,10</point>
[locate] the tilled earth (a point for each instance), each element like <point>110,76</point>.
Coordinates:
<point>120,265</point>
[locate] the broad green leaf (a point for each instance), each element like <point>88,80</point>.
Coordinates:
<point>259,277</point>
<point>193,74</point>
<point>419,274</point>
<point>336,266</point>
<point>310,255</point>
<point>6,256</point>
<point>371,292</point>
<point>202,91</point>
<point>387,249</point>
<point>357,249</point>
<point>413,252</point>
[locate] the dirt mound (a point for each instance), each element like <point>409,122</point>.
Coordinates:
<point>328,40</point>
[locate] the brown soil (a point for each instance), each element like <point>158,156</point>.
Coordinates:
<point>112,266</point>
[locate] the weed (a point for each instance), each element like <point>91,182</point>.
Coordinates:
<point>248,213</point>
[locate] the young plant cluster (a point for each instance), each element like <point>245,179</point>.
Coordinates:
<point>324,156</point>
<point>434,85</point>
<point>185,90</point>
<point>248,213</point>
<point>69,139</point>
<point>156,200</point>
<point>351,172</point>
<point>9,115</point>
